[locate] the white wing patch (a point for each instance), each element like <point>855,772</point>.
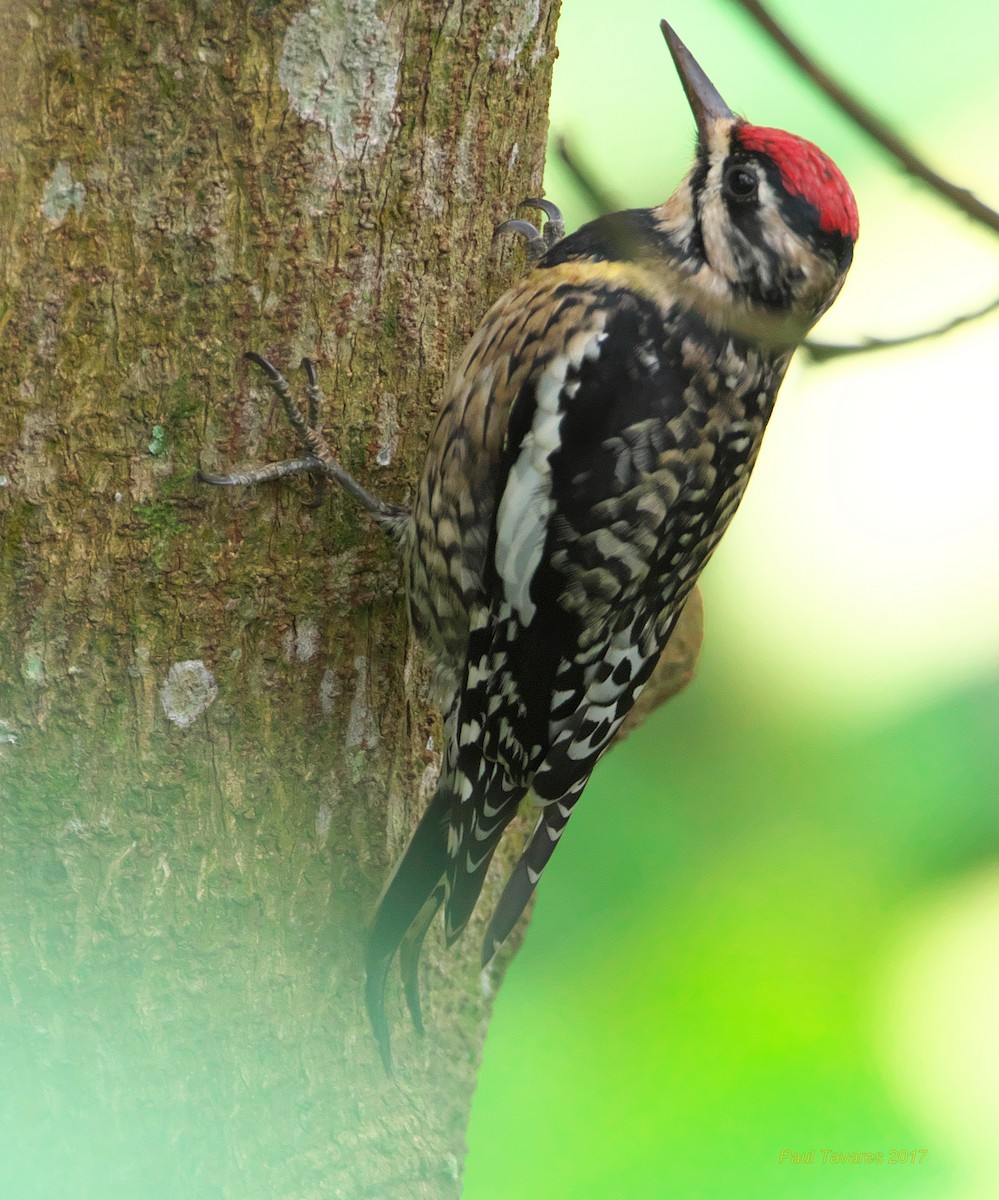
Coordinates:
<point>526,505</point>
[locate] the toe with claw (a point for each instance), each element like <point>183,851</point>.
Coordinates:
<point>539,241</point>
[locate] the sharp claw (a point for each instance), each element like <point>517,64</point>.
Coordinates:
<point>551,211</point>
<point>554,227</point>
<point>539,241</point>
<point>263,363</point>
<point>523,228</point>
<point>312,391</point>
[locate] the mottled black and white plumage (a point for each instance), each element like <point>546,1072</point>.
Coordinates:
<point>597,437</point>
<point>595,441</point>
<point>568,537</point>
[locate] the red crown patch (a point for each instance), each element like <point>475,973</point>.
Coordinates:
<point>809,173</point>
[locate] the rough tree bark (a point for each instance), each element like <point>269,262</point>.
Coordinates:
<point>212,746</point>
<point>213,732</point>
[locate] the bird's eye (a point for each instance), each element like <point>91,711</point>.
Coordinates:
<point>740,184</point>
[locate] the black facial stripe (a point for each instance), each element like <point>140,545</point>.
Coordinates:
<point>757,261</point>
<point>801,217</point>
<point>697,180</point>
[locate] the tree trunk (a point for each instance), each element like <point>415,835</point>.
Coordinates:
<point>213,732</point>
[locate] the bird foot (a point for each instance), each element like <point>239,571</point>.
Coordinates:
<point>538,241</point>
<point>319,459</point>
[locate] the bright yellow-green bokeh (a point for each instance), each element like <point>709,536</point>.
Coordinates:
<point>771,924</point>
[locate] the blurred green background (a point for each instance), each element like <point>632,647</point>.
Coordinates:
<point>774,922</point>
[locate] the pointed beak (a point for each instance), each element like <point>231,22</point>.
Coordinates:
<point>702,95</point>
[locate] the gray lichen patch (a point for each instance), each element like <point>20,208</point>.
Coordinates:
<point>362,728</point>
<point>340,68</point>
<point>387,420</point>
<point>188,691</point>
<point>329,689</point>
<point>61,193</point>
<point>8,737</point>
<point>512,31</point>
<point>301,641</point>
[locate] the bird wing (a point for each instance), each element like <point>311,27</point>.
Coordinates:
<point>584,571</point>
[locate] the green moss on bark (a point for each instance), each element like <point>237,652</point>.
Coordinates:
<point>181,906</point>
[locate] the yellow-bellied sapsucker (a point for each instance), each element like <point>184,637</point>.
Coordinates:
<point>596,438</point>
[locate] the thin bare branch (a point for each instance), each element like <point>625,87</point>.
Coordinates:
<point>866,119</point>
<point>825,351</point>
<point>601,201</point>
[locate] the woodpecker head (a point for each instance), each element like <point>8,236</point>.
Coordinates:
<point>763,218</point>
